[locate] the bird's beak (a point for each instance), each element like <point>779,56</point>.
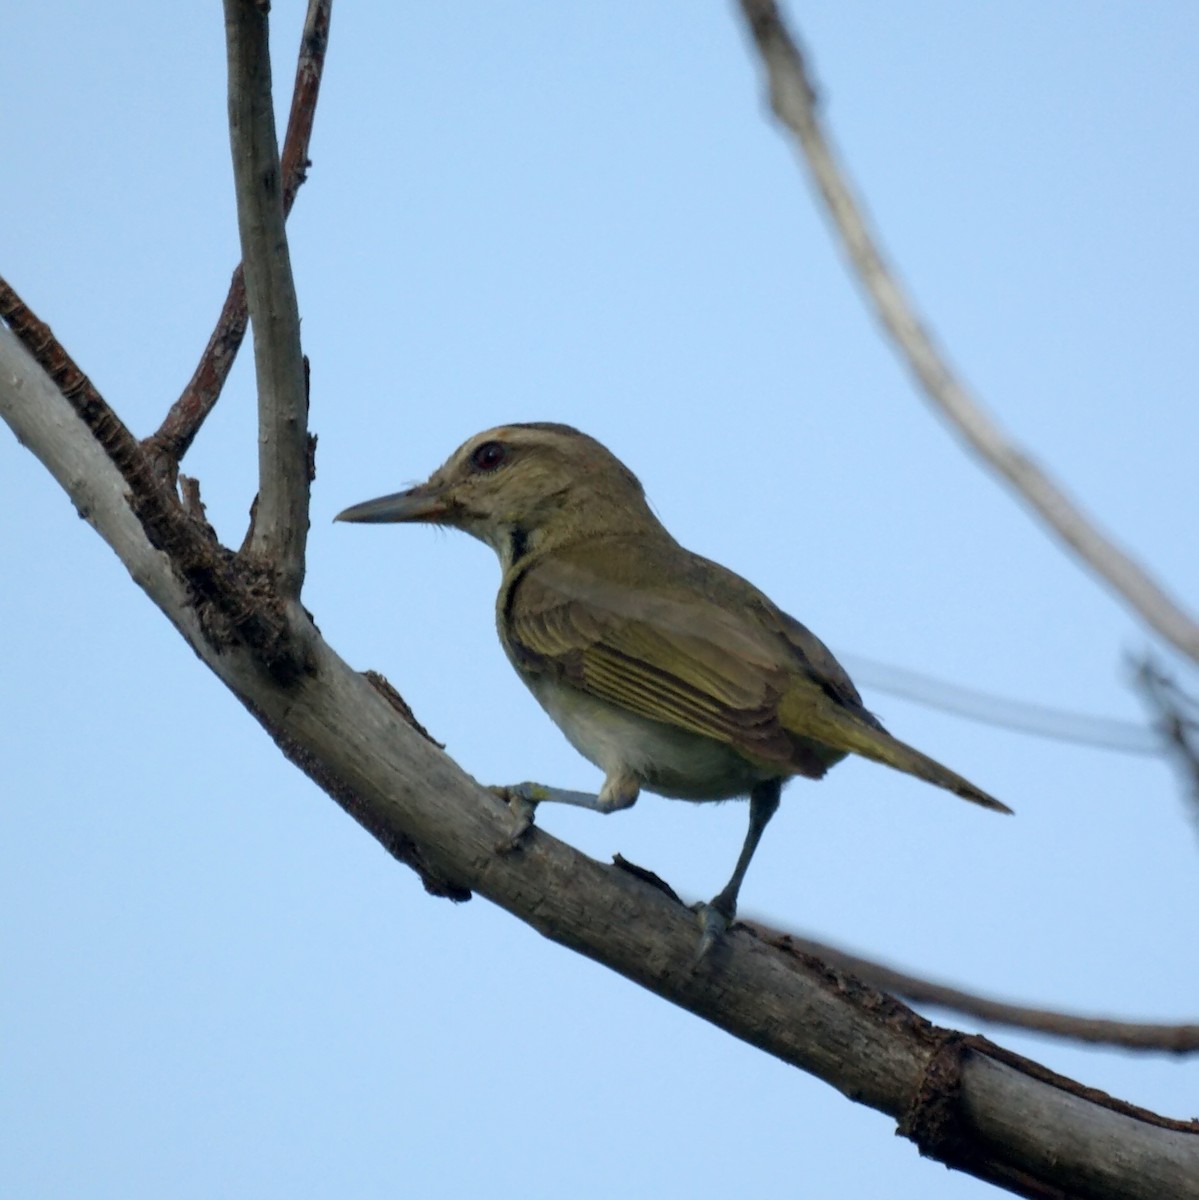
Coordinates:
<point>425,502</point>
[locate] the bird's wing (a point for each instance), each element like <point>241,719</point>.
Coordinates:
<point>724,663</point>
<point>677,658</point>
<point>822,669</point>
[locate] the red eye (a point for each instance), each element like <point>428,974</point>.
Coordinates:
<point>489,456</point>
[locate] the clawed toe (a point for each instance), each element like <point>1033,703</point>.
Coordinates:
<point>713,924</point>
<point>523,809</point>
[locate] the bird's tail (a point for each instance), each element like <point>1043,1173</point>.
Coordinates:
<point>846,732</point>
<point>902,757</point>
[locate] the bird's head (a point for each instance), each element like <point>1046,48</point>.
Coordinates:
<point>517,487</point>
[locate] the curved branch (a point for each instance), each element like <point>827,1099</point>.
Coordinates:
<point>1103,1031</point>
<point>793,100</point>
<point>962,1099</point>
<point>280,527</point>
<point>181,424</point>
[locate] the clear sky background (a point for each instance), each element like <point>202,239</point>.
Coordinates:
<point>212,983</point>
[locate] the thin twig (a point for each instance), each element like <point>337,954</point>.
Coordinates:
<point>281,528</point>
<point>1176,718</point>
<point>177,432</point>
<point>1102,733</point>
<point>793,100</point>
<point>1104,1031</point>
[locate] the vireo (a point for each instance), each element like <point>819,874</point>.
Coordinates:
<point>668,671</point>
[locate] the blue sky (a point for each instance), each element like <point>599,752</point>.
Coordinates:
<point>216,984</point>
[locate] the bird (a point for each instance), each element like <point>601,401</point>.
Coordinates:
<point>669,672</point>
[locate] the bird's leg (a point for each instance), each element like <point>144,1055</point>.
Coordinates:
<point>620,790</point>
<point>716,916</point>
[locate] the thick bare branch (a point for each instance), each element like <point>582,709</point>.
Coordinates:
<point>793,100</point>
<point>281,525</point>
<point>177,432</point>
<point>1101,1031</point>
<point>962,1100</point>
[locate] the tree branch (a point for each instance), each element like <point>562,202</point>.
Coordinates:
<point>232,601</point>
<point>793,99</point>
<point>1176,718</point>
<point>1102,1031</point>
<point>177,432</point>
<point>963,1100</point>
<point>281,524</point>
<point>1039,720</point>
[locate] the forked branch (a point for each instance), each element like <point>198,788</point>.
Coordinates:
<point>226,599</point>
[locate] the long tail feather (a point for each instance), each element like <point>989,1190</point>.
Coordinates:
<point>845,731</point>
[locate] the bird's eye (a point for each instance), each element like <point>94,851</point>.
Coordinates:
<point>489,456</point>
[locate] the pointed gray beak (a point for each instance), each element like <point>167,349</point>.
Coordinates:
<point>420,503</point>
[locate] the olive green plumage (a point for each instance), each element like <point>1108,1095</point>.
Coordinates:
<point>681,640</point>
<point>668,671</point>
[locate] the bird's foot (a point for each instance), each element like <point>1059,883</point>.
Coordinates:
<point>522,800</point>
<point>714,923</point>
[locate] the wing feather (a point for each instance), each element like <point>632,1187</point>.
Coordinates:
<point>688,663</point>
<point>687,643</point>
